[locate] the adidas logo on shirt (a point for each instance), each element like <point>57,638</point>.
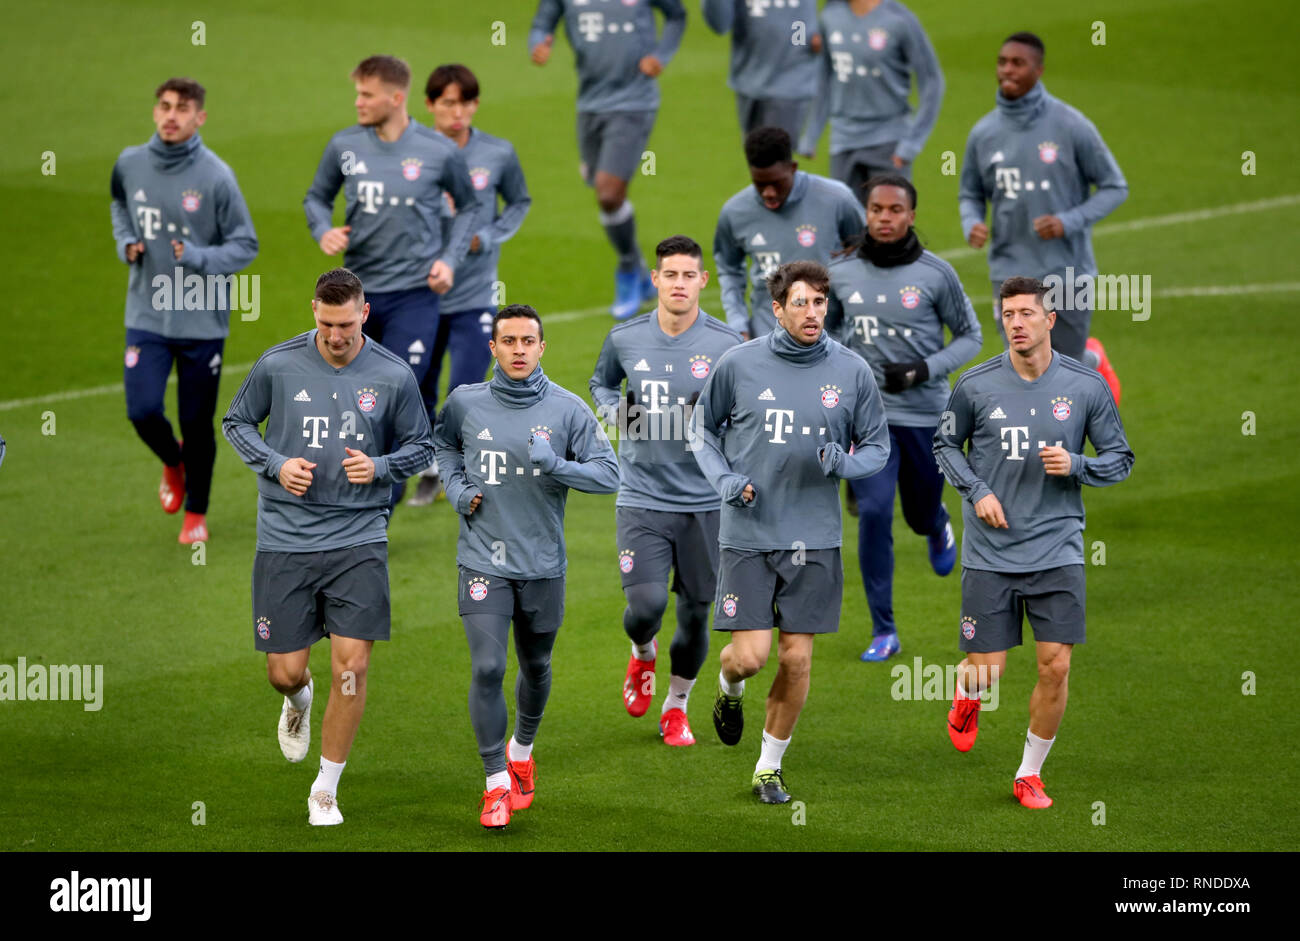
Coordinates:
<point>360,167</point>
<point>758,240</point>
<point>997,413</point>
<point>485,435</point>
<point>642,366</point>
<point>302,396</point>
<point>996,158</point>
<point>766,396</point>
<point>855,298</point>
<point>139,196</point>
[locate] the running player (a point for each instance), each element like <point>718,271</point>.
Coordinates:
<point>787,215</point>
<point>1025,415</point>
<point>781,419</point>
<point>465,318</point>
<point>1036,160</point>
<point>873,50</point>
<point>177,215</point>
<point>618,60</point>
<point>773,59</point>
<point>667,514</point>
<point>508,451</point>
<point>893,299</point>
<point>394,173</point>
<point>345,422</point>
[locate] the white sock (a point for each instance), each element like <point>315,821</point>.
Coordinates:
<point>646,651</point>
<point>301,699</point>
<point>734,690</point>
<point>679,691</point>
<point>328,778</point>
<point>500,779</point>
<point>517,752</point>
<point>769,759</point>
<point>1036,750</point>
<point>961,689</point>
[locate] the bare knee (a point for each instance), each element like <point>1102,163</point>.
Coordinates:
<point>286,677</point>
<point>747,662</point>
<point>1054,672</point>
<point>611,193</point>
<point>795,664</point>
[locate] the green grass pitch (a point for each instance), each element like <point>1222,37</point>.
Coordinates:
<point>1200,559</point>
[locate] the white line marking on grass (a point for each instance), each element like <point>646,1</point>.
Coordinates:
<point>1175,218</point>
<point>1133,225</point>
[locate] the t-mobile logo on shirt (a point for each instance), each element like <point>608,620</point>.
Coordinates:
<point>1015,439</point>
<point>779,421</point>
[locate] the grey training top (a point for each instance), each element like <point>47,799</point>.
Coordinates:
<point>316,411</point>
<point>1039,157</point>
<point>897,315</point>
<point>609,39</point>
<point>665,376</point>
<point>771,52</point>
<point>815,220</point>
<point>482,440</point>
<point>494,171</point>
<point>394,195</point>
<point>867,64</point>
<point>184,192</point>
<point>1006,420</point>
<point>763,418</point>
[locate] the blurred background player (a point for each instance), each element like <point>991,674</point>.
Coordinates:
<point>787,215</point>
<point>773,59</point>
<point>780,421</point>
<point>177,212</point>
<point>345,421</point>
<point>618,60</point>
<point>667,514</point>
<point>1025,415</point>
<point>508,451</point>
<point>873,48</point>
<point>1036,159</point>
<point>465,314</point>
<point>394,172</point>
<point>892,299</point>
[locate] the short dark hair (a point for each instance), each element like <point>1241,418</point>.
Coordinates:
<point>390,70</point>
<point>678,245</point>
<point>186,88</point>
<point>1014,287</point>
<point>1030,40</point>
<point>517,310</point>
<point>338,286</point>
<point>891,179</point>
<point>809,272</point>
<point>453,74</point>
<point>765,146</point>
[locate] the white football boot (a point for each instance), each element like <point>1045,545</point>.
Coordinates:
<point>323,810</point>
<point>295,727</point>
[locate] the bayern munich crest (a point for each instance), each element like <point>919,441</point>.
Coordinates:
<point>1048,152</point>
<point>807,235</point>
<point>478,589</point>
<point>830,396</point>
<point>729,605</point>
<point>700,366</point>
<point>625,561</point>
<point>264,628</point>
<point>411,168</point>
<point>911,296</point>
<point>877,38</point>
<point>132,356</point>
<point>190,200</point>
<point>968,628</point>
<point>479,176</point>
<point>541,431</point>
<point>1061,408</point>
<point>366,400</point>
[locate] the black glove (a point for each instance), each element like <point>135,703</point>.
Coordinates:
<point>900,376</point>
